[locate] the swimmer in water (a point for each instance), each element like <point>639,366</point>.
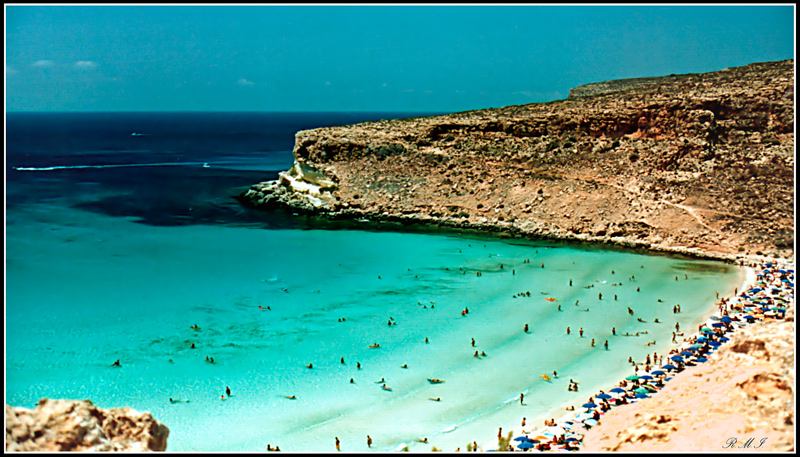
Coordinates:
<point>116,364</point>
<point>310,365</point>
<point>435,399</point>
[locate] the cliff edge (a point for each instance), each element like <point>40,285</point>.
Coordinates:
<point>700,163</point>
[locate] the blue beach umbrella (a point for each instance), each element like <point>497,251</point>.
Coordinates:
<point>618,390</point>
<point>725,319</point>
<point>646,377</point>
<point>686,353</point>
<point>724,339</point>
<point>604,396</point>
<point>702,339</point>
<point>718,324</point>
<point>714,343</point>
<point>749,317</point>
<point>702,359</point>
<point>642,396</point>
<point>658,373</point>
<point>669,366</point>
<point>523,438</point>
<point>589,405</point>
<point>525,445</point>
<point>677,358</point>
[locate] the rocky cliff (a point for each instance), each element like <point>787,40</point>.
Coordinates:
<point>699,163</point>
<point>63,425</point>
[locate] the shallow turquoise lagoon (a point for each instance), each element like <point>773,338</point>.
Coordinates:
<point>83,290</point>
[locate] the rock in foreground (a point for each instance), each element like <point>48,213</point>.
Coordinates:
<point>66,425</point>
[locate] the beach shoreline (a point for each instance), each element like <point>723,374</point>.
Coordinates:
<point>617,435</point>
<point>560,414</point>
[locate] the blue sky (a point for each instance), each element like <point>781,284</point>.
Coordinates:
<point>364,58</point>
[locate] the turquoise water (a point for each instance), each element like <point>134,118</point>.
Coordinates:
<point>84,289</point>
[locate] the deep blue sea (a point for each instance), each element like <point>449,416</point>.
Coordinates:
<point>122,234</point>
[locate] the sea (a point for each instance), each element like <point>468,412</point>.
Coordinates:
<point>124,242</point>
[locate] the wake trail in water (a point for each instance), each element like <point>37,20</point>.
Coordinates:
<point>122,165</point>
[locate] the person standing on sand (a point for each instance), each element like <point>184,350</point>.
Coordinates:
<point>337,444</point>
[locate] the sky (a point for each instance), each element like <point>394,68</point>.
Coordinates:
<point>389,58</point>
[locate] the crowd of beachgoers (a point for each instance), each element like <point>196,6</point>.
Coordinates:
<point>766,297</point>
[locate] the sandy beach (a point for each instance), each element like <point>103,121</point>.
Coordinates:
<point>739,400</point>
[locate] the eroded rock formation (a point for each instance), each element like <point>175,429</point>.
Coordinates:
<point>65,425</point>
<point>699,163</point>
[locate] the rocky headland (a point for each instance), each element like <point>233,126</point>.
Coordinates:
<point>699,163</point>
<point>65,425</point>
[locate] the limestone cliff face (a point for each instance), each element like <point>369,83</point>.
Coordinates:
<point>698,163</point>
<point>64,425</point>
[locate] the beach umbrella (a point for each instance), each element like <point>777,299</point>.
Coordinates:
<point>669,366</point>
<point>642,396</point>
<point>702,359</point>
<point>707,330</point>
<point>714,343</point>
<point>658,373</point>
<point>523,438</point>
<point>696,346</point>
<point>749,317</point>
<point>604,396</point>
<point>589,405</point>
<point>702,339</point>
<point>590,422</point>
<point>525,445</point>
<point>677,358</point>
<point>618,390</point>
<point>641,390</point>
<point>650,388</point>
<point>724,339</point>
<point>646,377</point>
<point>686,353</point>
<point>725,319</point>
<point>632,377</point>
<point>718,324</point>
